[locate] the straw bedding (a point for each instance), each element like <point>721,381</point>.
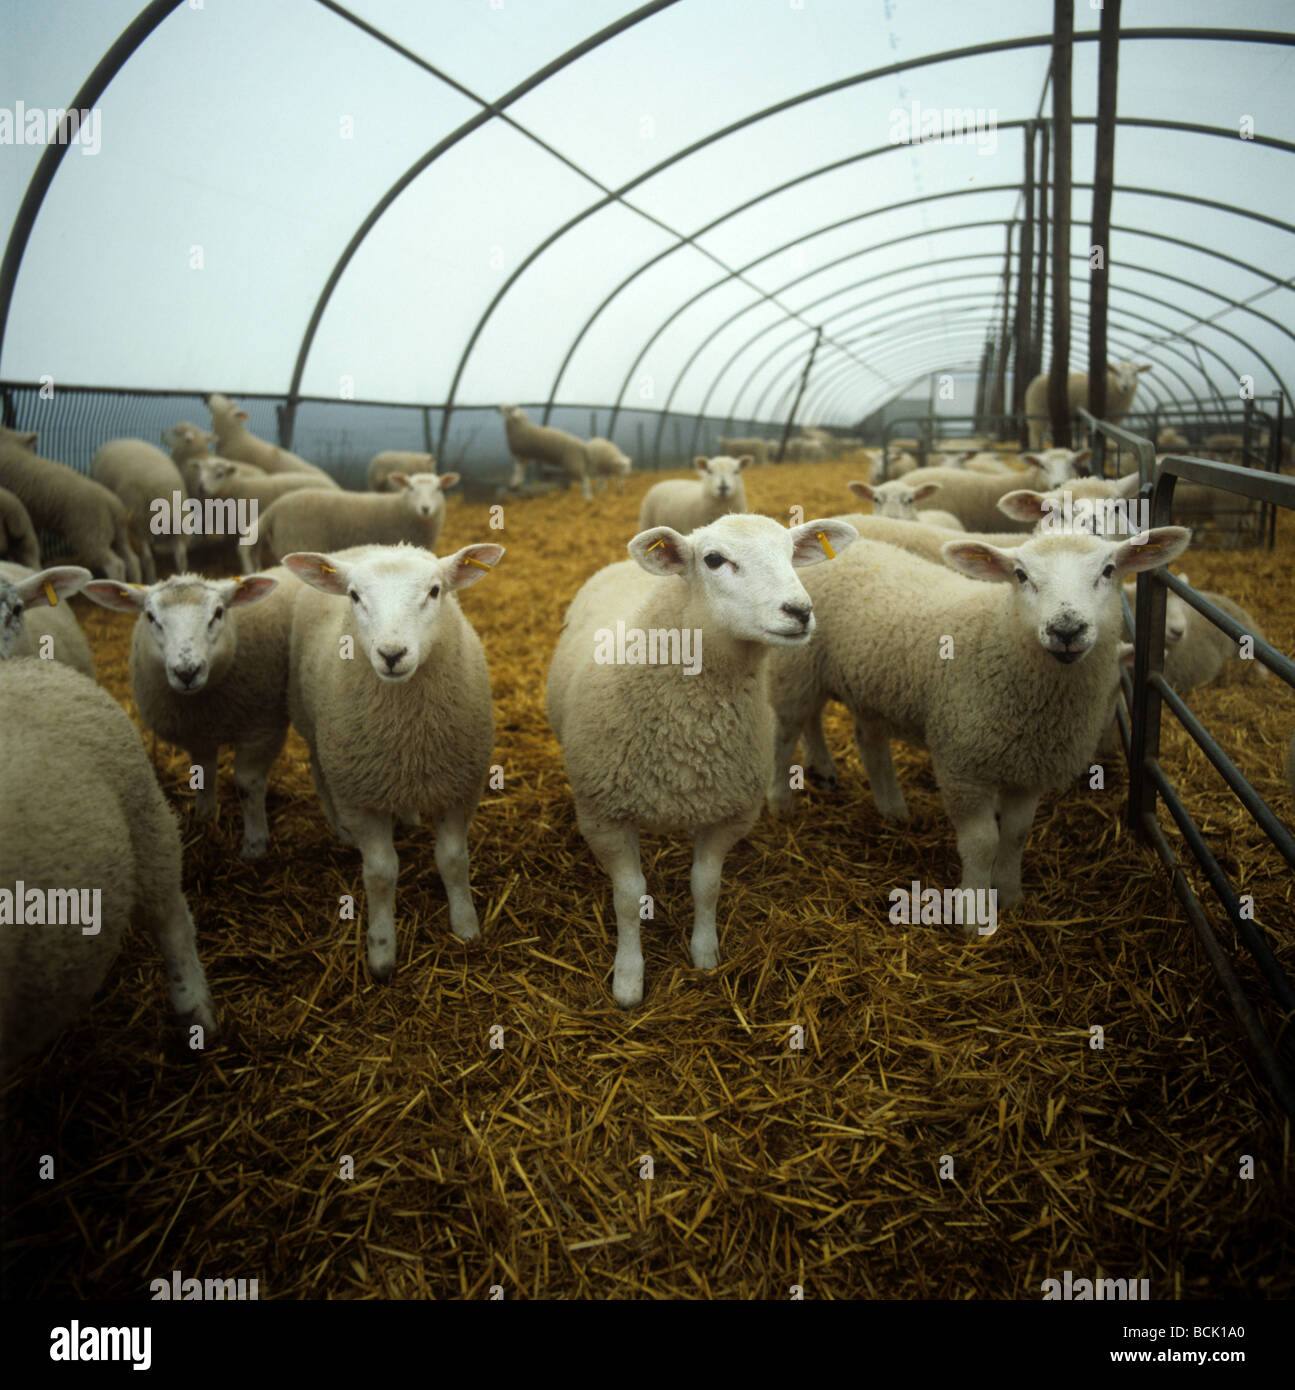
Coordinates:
<point>946,1131</point>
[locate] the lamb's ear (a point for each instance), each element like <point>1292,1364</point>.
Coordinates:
<point>1031,460</point>
<point>661,550</point>
<point>745,461</point>
<point>1151,549</point>
<point>863,490</point>
<point>322,572</point>
<point>1078,460</point>
<point>52,584</point>
<point>473,562</point>
<point>401,480</point>
<point>28,440</point>
<point>108,593</point>
<point>241,416</point>
<point>1146,366</point>
<point>701,463</point>
<point>250,590</point>
<point>1024,505</point>
<point>978,560</point>
<point>926,490</point>
<point>820,540</point>
<point>448,480</point>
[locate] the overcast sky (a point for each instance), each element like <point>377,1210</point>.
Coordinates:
<point>241,147</point>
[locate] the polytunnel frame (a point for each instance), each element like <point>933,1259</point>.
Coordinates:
<point>936,197</point>
<point>1161,344</point>
<point>152,15</point>
<point>1023,123</point>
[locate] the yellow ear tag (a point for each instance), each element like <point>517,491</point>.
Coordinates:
<point>654,545</point>
<point>51,595</point>
<point>327,569</point>
<point>823,541</point>
<point>469,560</point>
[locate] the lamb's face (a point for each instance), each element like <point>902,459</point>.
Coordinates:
<point>33,591</point>
<point>743,567</point>
<point>1059,465</point>
<point>207,476</point>
<point>1124,376</point>
<point>422,492</point>
<point>1064,587</point>
<point>186,621</point>
<point>719,476</point>
<point>895,499</point>
<point>397,597</point>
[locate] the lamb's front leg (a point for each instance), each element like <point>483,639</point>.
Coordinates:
<point>617,849</point>
<point>819,767</point>
<point>452,865</point>
<point>206,759</point>
<point>519,473</point>
<point>1015,820</point>
<point>873,742</point>
<point>372,832</point>
<point>710,845</point>
<point>972,811</point>
<point>252,763</point>
<point>585,488</point>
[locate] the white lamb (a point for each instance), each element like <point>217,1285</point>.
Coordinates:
<point>685,745</point>
<point>28,627</point>
<point>81,812</point>
<point>207,668</point>
<point>310,520</point>
<point>141,474</point>
<point>405,728</point>
<point>543,444</point>
<point>761,450</point>
<point>606,461</point>
<point>1009,686</point>
<point>923,539</point>
<point>686,504</point>
<point>186,442</point>
<point>58,498</point>
<point>901,464</point>
<point>235,441</point>
<point>1121,383</point>
<point>897,499</point>
<point>389,461</point>
<point>18,541</point>
<point>973,497</point>
<point>1172,440</point>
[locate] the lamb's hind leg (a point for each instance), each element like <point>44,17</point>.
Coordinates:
<point>616,847</point>
<point>710,845</point>
<point>372,832</point>
<point>1014,822</point>
<point>519,473</point>
<point>452,865</point>
<point>171,927</point>
<point>787,725</point>
<point>873,742</point>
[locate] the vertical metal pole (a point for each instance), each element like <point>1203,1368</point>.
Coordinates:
<point>800,391</point>
<point>982,380</point>
<point>1063,27</point>
<point>996,391</point>
<point>1021,372</point>
<point>1041,282</point>
<point>1099,248</point>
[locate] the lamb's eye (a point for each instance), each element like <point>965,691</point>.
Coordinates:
<point>217,615</point>
<point>435,591</point>
<point>1108,571</point>
<point>355,598</point>
<point>150,617</point>
<point>714,560</point>
<point>1022,577</point>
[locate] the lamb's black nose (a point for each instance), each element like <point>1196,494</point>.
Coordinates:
<point>391,658</point>
<point>799,612</point>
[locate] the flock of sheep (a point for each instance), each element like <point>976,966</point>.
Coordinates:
<point>954,615</point>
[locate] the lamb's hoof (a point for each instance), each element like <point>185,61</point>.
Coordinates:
<point>779,809</point>
<point>254,849</point>
<point>705,957</point>
<point>897,814</point>
<point>204,810</point>
<point>381,974</point>
<point>823,782</point>
<point>627,988</point>
<point>467,934</point>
